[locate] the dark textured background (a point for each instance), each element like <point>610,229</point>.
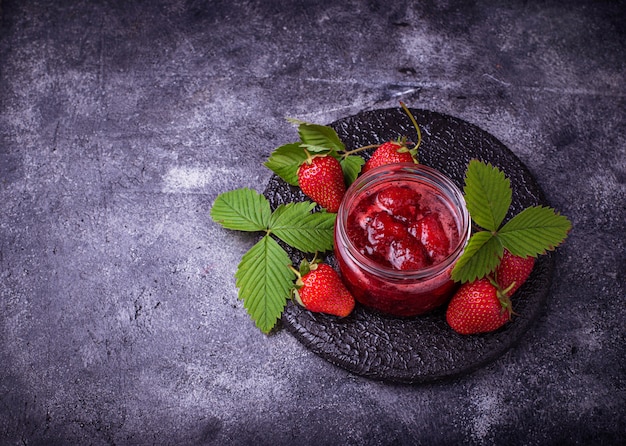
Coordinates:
<point>121,121</point>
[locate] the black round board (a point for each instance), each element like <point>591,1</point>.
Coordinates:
<point>423,348</point>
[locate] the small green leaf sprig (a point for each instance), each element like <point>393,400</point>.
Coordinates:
<point>532,232</point>
<point>264,276</point>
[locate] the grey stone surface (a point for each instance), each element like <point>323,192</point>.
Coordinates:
<point>120,122</point>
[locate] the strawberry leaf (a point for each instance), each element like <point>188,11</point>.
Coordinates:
<point>320,136</point>
<point>351,166</point>
<point>534,231</point>
<point>305,268</point>
<point>265,280</point>
<point>487,194</point>
<point>481,256</point>
<point>242,209</point>
<point>317,149</point>
<point>285,160</point>
<point>294,224</point>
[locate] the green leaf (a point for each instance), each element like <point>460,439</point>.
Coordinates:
<point>317,149</point>
<point>265,280</point>
<point>351,166</point>
<point>294,224</point>
<point>487,194</point>
<point>242,209</point>
<point>285,160</point>
<point>320,136</point>
<point>481,256</point>
<point>534,231</point>
<point>304,269</point>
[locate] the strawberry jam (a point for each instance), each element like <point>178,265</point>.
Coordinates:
<point>400,230</point>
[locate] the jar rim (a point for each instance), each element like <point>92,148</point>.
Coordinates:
<point>393,173</point>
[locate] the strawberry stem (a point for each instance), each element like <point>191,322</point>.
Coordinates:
<point>309,158</point>
<point>298,282</point>
<point>503,296</point>
<point>296,271</point>
<point>360,149</point>
<point>417,127</point>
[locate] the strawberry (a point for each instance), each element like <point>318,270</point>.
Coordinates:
<point>513,271</point>
<point>383,228</point>
<point>400,201</point>
<point>321,290</point>
<point>430,232</point>
<point>407,254</point>
<point>478,307</point>
<point>391,152</point>
<point>321,179</point>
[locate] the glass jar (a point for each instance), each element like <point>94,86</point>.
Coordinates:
<point>379,286</point>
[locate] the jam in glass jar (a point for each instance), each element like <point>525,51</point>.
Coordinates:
<point>399,232</point>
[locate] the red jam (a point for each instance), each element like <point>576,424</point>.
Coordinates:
<point>399,231</point>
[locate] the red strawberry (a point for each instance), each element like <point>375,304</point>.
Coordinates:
<point>513,269</point>
<point>407,254</point>
<point>323,291</point>
<point>399,201</point>
<point>321,179</point>
<point>391,152</point>
<point>430,232</point>
<point>383,228</point>
<point>478,307</point>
